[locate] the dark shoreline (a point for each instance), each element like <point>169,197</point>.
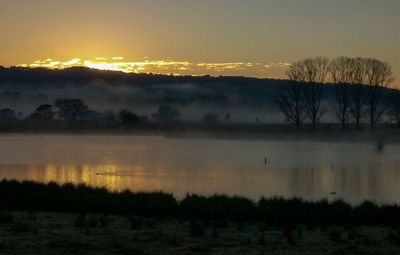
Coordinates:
<point>231,131</point>
<point>278,212</point>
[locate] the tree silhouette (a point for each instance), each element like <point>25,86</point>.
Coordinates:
<point>309,74</point>
<point>43,112</point>
<point>357,90</point>
<point>378,76</point>
<point>166,113</point>
<point>342,74</point>
<point>109,116</point>
<point>291,102</point>
<point>128,118</point>
<point>7,114</point>
<point>71,109</point>
<point>394,106</point>
<point>211,118</point>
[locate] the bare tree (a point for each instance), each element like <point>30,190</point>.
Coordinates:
<point>342,74</point>
<point>291,102</point>
<point>315,69</point>
<point>357,89</point>
<point>378,76</point>
<point>394,106</point>
<point>358,83</point>
<point>310,74</point>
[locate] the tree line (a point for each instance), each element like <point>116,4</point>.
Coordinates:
<point>75,110</point>
<point>358,87</point>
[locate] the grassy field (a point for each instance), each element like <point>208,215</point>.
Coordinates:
<point>61,233</point>
<point>38,218</point>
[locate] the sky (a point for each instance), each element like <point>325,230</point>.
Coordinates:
<point>257,38</point>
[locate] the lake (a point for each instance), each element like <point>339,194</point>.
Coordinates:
<point>313,170</point>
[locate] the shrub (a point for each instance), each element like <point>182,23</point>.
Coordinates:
<point>167,113</point>
<point>335,235</point>
<point>261,241</point>
<point>211,118</point>
<point>6,217</point>
<point>150,223</point>
<point>21,227</point>
<point>393,237</point>
<point>80,221</point>
<point>174,240</point>
<point>128,118</point>
<point>136,222</point>
<point>291,240</point>
<point>288,234</point>
<point>104,222</point>
<point>240,226</point>
<point>93,222</point>
<point>196,228</point>
<point>218,209</point>
<point>300,232</point>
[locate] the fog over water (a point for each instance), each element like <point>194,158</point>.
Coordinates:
<point>312,170</point>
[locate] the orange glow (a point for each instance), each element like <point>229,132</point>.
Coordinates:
<point>112,64</point>
<point>159,66</point>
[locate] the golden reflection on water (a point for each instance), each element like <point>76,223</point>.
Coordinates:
<point>113,177</point>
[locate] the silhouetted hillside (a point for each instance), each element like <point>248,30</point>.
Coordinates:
<point>25,88</point>
<point>239,99</point>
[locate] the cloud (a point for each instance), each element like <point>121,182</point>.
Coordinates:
<point>161,66</point>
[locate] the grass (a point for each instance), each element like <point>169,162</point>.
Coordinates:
<point>335,235</point>
<point>6,217</point>
<point>218,210</point>
<point>54,232</point>
<point>135,222</point>
<point>196,228</point>
<point>67,219</point>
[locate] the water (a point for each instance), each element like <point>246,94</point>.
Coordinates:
<point>312,170</point>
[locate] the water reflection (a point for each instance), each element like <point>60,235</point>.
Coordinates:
<point>351,184</point>
<point>311,170</point>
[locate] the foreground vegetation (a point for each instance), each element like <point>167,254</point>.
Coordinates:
<point>67,219</point>
<point>277,212</point>
<point>69,233</point>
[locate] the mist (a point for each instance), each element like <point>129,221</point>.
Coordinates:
<point>246,100</point>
